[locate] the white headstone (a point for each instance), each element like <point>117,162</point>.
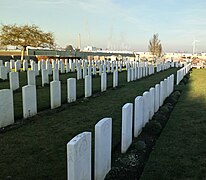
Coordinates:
<point>79,157</point>
<point>25,65</point>
<point>62,68</point>
<point>132,73</point>
<point>36,70</point>
<point>103,82</point>
<point>146,107</point>
<point>14,80</point>
<point>71,90</point>
<point>67,67</point>
<point>3,72</point>
<point>55,94</point>
<point>12,63</point>
<point>79,72</point>
<point>128,75</point>
<point>94,72</point>
<point>89,70</point>
<point>127,119</point>
<point>49,69</point>
<point>31,77</point>
<point>1,63</point>
<point>55,75</point>
<point>45,77</point>
<point>157,97</point>
<point>6,108</point>
<point>152,102</point>
<point>39,65</point>
<point>88,86</point>
<point>103,148</point>
<point>84,71</point>
<point>115,78</point>
<point>29,101</point>
<point>138,115</point>
<point>100,69</point>
<point>161,93</point>
<point>7,65</point>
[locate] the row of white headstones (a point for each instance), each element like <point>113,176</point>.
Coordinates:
<point>182,72</point>
<point>79,148</point>
<point>135,71</point>
<point>29,98</point>
<point>71,65</point>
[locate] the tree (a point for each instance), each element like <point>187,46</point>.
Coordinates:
<point>155,46</point>
<point>69,48</point>
<point>25,35</point>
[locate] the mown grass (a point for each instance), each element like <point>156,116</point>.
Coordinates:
<point>180,152</point>
<point>37,150</point>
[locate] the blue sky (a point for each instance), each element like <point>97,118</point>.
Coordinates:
<point>114,24</point>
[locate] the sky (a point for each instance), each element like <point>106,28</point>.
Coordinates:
<point>114,24</point>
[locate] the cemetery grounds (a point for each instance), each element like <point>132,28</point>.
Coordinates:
<point>36,148</point>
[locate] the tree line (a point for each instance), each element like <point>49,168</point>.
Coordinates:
<point>32,35</point>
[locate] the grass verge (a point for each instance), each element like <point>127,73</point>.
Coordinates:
<point>180,151</point>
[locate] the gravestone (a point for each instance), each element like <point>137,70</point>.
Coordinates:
<point>55,75</point>
<point>138,115</point>
<point>103,82</point>
<point>128,75</point>
<point>104,68</point>
<point>62,68</point>
<point>89,70</point>
<point>127,120</point>
<point>157,97</point>
<point>7,65</point>
<point>3,72</point>
<point>12,64</point>
<point>29,101</point>
<point>115,78</point>
<point>161,93</point>
<point>152,102</point>
<point>55,94</point>
<point>31,78</point>
<point>84,71</point>
<point>14,80</point>
<point>36,70</point>
<point>6,108</point>
<point>94,71</point>
<point>79,72</point>
<point>103,148</point>
<point>79,157</point>
<point>88,86</point>
<point>45,77</point>
<point>108,67</point>
<point>39,65</point>
<point>25,65</point>
<point>132,72</point>
<point>67,67</point>
<point>72,67</point>
<point>100,70</point>
<point>49,69</point>
<point>71,90</point>
<point>146,107</point>
<point>1,63</point>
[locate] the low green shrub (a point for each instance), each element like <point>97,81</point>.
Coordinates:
<point>140,145</point>
<point>153,127</point>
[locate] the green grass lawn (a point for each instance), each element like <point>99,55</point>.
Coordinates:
<point>37,150</point>
<point>180,151</point>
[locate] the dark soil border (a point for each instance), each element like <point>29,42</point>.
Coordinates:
<point>131,164</point>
